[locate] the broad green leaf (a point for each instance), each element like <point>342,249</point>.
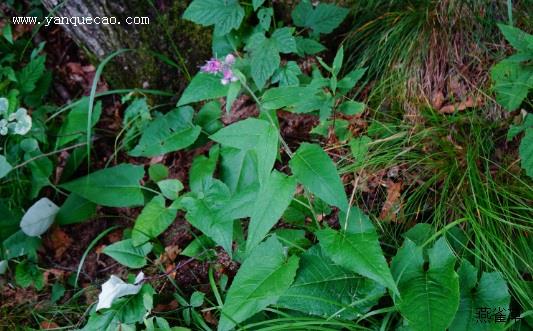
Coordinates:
<point>233,93</point>
<point>5,167</point>
<point>273,198</point>
<point>153,220</point>
<point>127,254</point>
<point>157,172</point>
<point>520,40</point>
<point>254,135</point>
<point>197,248</point>
<point>39,217</point>
<point>9,222</point>
<point>264,58</point>
<point>285,41</point>
<point>287,75</point>
<point>169,133</point>
<point>75,125</point>
<point>209,116</point>
<point>359,252</point>
<point>286,96</point>
<point>525,151</point>
<point>512,81</point>
<point>238,169</point>
<point>203,86</point>
<point>170,188</point>
<point>225,15</point>
<point>491,291</point>
<point>265,17</point>
<point>316,171</point>
<point>308,46</point>
<point>115,288</point>
<point>41,170</point>
<point>115,187</point>
<point>323,288</point>
<point>19,244</point>
<point>420,233</point>
<point>352,107</point>
<point>337,61</point>
<point>514,130</point>
<point>207,214</point>
<point>293,239</point>
<point>263,277</point>
<point>429,295</point>
<point>75,210</point>
<point>202,169</point>
<point>323,18</point>
<point>27,273</point>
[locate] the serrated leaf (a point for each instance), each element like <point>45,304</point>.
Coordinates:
<point>284,40</point>
<point>520,40</point>
<point>514,130</point>
<point>352,107</point>
<point>225,15</point>
<point>265,17</point>
<point>359,148</point>
<point>349,81</point>
<point>264,59</point>
<point>153,220</point>
<point>169,133</point>
<point>127,254</point>
<point>491,291</point>
<point>323,18</point>
<point>254,135</point>
<point>118,186</point>
<point>115,288</point>
<point>257,4</point>
<point>308,46</point>
<point>359,252</point>
<point>512,81</point>
<point>203,86</point>
<point>287,96</point>
<point>525,151</point>
<point>316,172</point>
<point>287,75</point>
<point>429,296</point>
<point>273,198</point>
<point>30,74</point>
<point>263,277</point>
<point>39,217</point>
<point>323,288</point>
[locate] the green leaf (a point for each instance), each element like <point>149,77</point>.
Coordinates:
<point>273,198</point>
<point>206,213</point>
<point>115,187</point>
<point>264,58</point>
<point>5,167</point>
<point>209,116</point>
<point>359,252</point>
<point>203,86</point>
<point>429,295</point>
<point>520,40</point>
<point>316,172</point>
<point>514,130</point>
<point>525,151</point>
<point>233,93</point>
<point>254,135</point>
<point>75,125</point>
<point>287,75</point>
<point>8,33</point>
<point>352,107</point>
<point>257,4</point>
<point>197,247</point>
<point>287,96</point>
<point>337,61</point>
<point>153,220</point>
<point>30,74</point>
<point>75,210</point>
<point>127,254</point>
<point>225,15</point>
<point>157,172</point>
<point>284,40</point>
<point>202,169</point>
<point>491,292</point>
<point>306,46</point>
<point>323,288</point>
<point>168,133</point>
<point>265,17</point>
<point>263,277</point>
<point>19,244</point>
<point>349,81</point>
<point>359,148</point>
<point>27,273</point>
<point>512,81</point>
<point>323,18</point>
<point>170,188</point>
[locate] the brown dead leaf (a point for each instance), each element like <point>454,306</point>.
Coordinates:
<point>437,100</point>
<point>390,207</point>
<point>172,305</point>
<point>59,242</point>
<point>209,317</point>
<point>468,103</point>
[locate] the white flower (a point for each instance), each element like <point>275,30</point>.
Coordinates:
<point>23,121</point>
<point>115,288</point>
<point>3,127</point>
<point>4,106</point>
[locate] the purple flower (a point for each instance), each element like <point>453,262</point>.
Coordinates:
<point>229,60</point>
<point>228,76</point>
<point>212,66</point>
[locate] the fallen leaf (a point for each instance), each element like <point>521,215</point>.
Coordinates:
<point>468,103</point>
<point>46,325</point>
<point>59,242</point>
<point>389,209</point>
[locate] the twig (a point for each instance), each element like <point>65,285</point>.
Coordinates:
<point>47,154</point>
